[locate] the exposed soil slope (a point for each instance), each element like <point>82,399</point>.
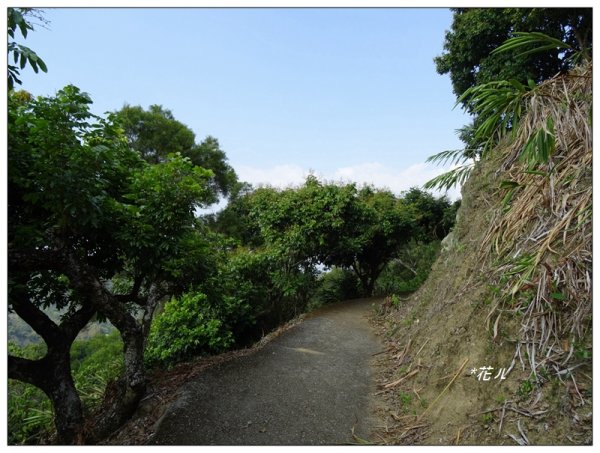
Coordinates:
<point>511,290</point>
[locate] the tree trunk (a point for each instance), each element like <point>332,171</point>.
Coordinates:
<point>69,420</point>
<point>52,374</point>
<point>122,396</point>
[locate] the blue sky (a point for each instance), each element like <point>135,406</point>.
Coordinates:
<point>351,94</point>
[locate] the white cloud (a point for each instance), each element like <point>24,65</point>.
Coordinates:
<point>397,180</point>
<point>278,176</point>
<point>375,173</point>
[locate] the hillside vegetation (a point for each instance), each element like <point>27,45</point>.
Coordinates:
<point>511,290</point>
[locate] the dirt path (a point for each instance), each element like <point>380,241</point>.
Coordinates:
<point>309,386</point>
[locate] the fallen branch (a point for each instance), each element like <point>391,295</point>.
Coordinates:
<point>406,376</point>
<point>457,437</point>
<point>444,391</point>
<point>421,348</point>
<point>400,357</point>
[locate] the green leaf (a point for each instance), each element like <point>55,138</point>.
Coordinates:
<point>42,65</point>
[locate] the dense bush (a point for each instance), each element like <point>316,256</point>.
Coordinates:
<point>262,290</point>
<point>187,326</point>
<point>334,286</point>
<point>407,273</point>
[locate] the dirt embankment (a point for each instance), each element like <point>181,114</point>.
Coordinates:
<point>512,291</point>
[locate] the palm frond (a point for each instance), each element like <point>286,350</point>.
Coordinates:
<point>445,181</point>
<point>452,156</point>
<point>541,41</point>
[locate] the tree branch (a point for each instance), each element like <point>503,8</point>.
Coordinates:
<point>133,295</point>
<point>73,324</point>
<point>36,318</point>
<point>406,266</point>
<point>26,370</point>
<point>34,259</point>
<point>86,282</point>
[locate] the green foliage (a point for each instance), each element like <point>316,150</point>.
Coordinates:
<point>187,326</point>
<point>525,388</point>
<point>335,285</point>
<point>410,270</point>
<point>88,208</point>
<point>451,178</point>
<point>487,419</point>
<point>540,146</point>
<point>155,134</point>
<point>405,400</point>
<point>95,362</point>
<point>476,32</point>
<point>21,55</point>
<point>30,416</point>
<point>490,44</point>
<point>536,42</point>
<point>335,225</point>
<point>262,288</point>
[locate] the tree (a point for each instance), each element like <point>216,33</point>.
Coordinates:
<point>335,225</point>
<point>234,220</point>
<point>95,229</point>
<point>476,32</point>
<point>493,58</point>
<point>155,133</point>
<point>22,55</point>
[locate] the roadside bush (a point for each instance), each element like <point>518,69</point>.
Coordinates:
<point>407,273</point>
<point>334,286</point>
<point>261,290</point>
<point>187,326</point>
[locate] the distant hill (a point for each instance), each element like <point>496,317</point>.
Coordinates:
<point>22,334</point>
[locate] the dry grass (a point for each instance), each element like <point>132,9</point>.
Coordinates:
<point>541,238</point>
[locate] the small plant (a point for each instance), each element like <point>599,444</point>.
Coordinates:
<point>525,388</point>
<point>409,320</point>
<point>487,419</point>
<point>581,351</point>
<point>405,400</point>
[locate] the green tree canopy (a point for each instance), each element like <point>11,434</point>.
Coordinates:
<point>93,228</point>
<point>476,32</point>
<point>155,133</point>
<point>341,225</point>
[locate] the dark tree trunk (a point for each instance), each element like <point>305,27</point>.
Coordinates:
<point>123,396</point>
<point>52,374</point>
<point>368,277</point>
<point>69,420</point>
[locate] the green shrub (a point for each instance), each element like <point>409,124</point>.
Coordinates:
<point>94,364</point>
<point>188,326</point>
<point>407,273</point>
<point>260,291</point>
<point>334,286</point>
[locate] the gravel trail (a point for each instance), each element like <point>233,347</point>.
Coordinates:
<point>312,385</point>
